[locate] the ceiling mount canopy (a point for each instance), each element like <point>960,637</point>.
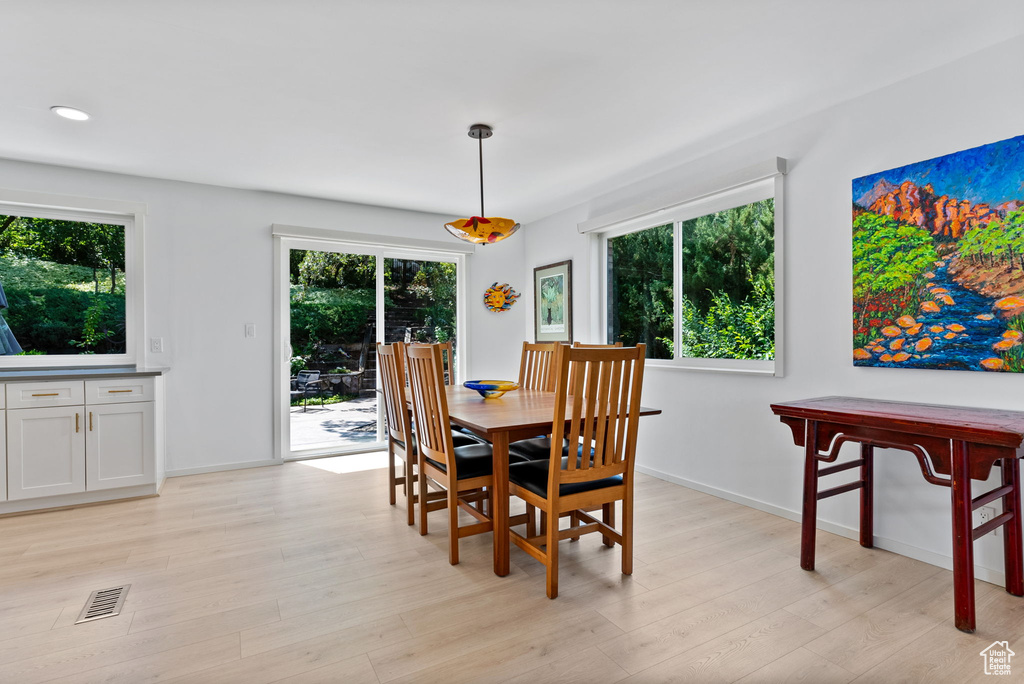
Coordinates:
<point>482,230</point>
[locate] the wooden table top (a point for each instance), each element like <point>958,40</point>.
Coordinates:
<point>518,409</point>
<point>985,426</point>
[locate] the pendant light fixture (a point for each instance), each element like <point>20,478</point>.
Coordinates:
<point>482,230</point>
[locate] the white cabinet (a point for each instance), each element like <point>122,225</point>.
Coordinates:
<point>67,437</point>
<point>118,390</point>
<point>3,450</point>
<point>45,452</point>
<point>40,394</point>
<point>119,445</point>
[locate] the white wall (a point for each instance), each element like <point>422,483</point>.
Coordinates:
<point>209,272</point>
<point>717,429</point>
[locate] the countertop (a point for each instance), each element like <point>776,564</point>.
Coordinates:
<point>34,374</point>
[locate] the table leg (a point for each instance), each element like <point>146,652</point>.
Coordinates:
<point>1012,546</point>
<point>809,519</point>
<point>499,446</point>
<point>867,503</point>
<point>963,539</point>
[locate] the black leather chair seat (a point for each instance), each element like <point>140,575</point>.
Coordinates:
<point>458,439</point>
<point>533,475</point>
<point>535,448</point>
<point>470,461</point>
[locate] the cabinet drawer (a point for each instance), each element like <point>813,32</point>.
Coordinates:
<point>118,390</point>
<point>41,394</point>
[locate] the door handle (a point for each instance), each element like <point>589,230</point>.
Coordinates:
<point>77,417</point>
<point>90,421</point>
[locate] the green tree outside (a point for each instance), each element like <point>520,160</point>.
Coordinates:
<point>728,277</point>
<point>64,282</point>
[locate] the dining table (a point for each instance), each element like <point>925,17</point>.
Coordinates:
<point>520,414</point>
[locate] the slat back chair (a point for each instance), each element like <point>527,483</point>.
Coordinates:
<point>448,357</point>
<point>536,371</point>
<point>438,459</point>
<point>581,345</point>
<point>537,365</point>
<point>604,408</point>
<point>391,366</point>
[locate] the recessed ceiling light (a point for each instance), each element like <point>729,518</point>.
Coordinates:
<point>70,113</point>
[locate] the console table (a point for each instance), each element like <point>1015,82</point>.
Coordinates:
<point>953,446</point>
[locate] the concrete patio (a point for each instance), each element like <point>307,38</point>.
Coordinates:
<point>346,423</point>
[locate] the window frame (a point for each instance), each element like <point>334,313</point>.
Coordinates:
<point>131,215</point>
<point>651,215</point>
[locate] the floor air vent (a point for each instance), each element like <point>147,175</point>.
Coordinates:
<point>103,603</point>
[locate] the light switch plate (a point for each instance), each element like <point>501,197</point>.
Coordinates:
<point>250,330</point>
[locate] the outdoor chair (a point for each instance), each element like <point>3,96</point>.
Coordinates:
<point>305,385</point>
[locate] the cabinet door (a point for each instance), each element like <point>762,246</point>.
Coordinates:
<point>3,456</point>
<point>120,448</point>
<point>45,452</point>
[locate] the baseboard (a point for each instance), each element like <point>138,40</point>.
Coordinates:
<point>223,466</point>
<point>63,501</point>
<point>996,577</point>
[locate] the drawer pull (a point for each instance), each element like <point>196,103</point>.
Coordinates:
<point>119,391</point>
<point>50,394</point>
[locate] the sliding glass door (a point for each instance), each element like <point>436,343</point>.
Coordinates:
<point>341,301</point>
<point>420,302</point>
<point>333,312</point>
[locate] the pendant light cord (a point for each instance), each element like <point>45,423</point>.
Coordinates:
<point>480,142</point>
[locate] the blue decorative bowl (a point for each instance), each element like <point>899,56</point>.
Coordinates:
<point>491,389</point>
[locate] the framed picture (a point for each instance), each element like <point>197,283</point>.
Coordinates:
<point>552,296</point>
<point>937,262</point>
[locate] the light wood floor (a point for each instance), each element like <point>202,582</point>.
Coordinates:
<point>298,574</point>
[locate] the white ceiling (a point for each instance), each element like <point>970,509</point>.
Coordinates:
<point>369,101</point>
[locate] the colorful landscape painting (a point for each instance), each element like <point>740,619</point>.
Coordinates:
<point>938,262</point>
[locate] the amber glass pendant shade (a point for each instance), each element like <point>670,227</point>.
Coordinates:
<point>482,230</point>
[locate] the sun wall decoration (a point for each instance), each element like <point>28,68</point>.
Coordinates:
<point>500,298</point>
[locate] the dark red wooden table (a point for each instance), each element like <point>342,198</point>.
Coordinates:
<point>953,446</point>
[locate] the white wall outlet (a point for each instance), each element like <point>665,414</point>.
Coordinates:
<point>250,330</point>
<point>156,345</point>
<point>986,513</point>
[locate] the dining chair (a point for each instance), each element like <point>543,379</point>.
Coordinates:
<point>391,366</point>
<point>461,437</point>
<point>609,515</point>
<point>604,409</point>
<point>465,473</point>
<point>536,371</point>
<point>536,365</point>
<point>447,357</point>
<point>582,345</point>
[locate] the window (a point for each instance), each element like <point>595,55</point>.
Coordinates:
<point>70,286</point>
<point>695,281</point>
